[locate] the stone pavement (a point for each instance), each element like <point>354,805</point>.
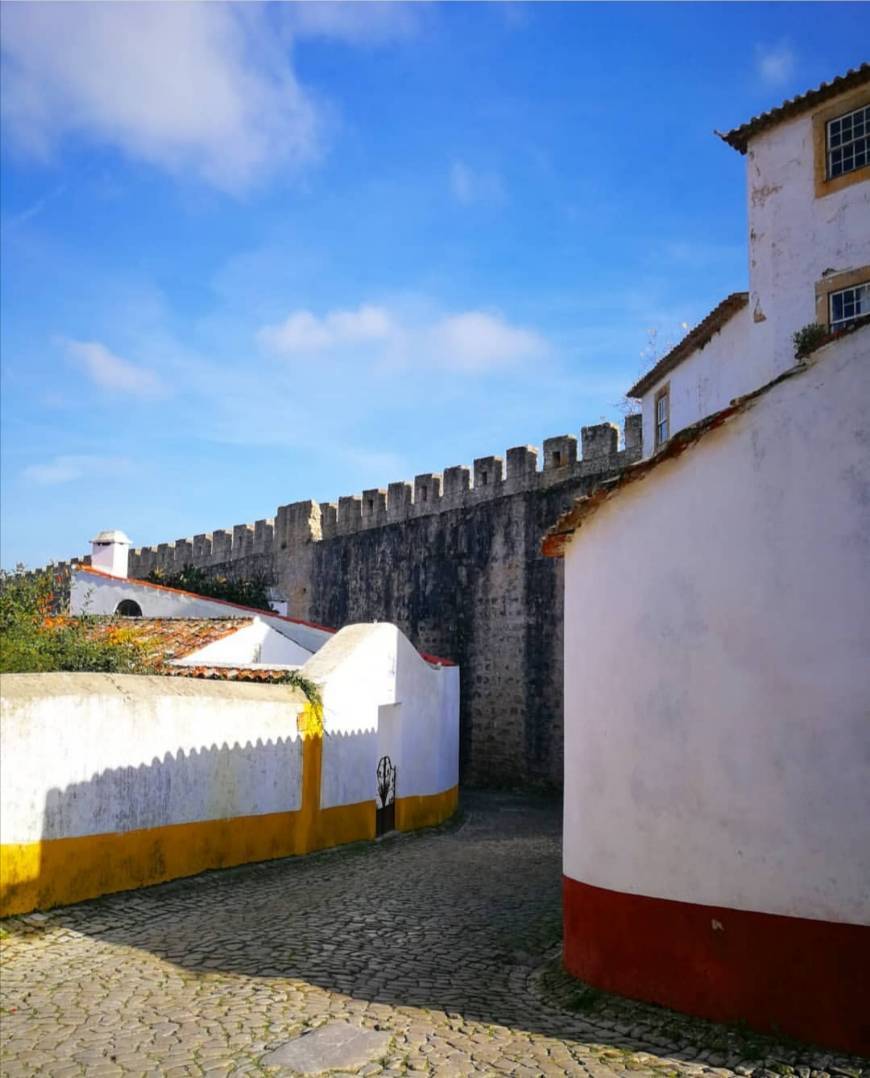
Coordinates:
<point>445,940</point>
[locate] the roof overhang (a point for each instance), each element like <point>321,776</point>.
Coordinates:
<point>694,339</point>
<point>739,138</point>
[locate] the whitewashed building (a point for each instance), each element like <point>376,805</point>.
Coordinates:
<point>808,205</point>
<point>717,629</point>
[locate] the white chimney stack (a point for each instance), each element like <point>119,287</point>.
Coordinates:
<point>109,552</point>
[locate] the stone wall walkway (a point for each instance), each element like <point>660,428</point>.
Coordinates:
<point>445,940</point>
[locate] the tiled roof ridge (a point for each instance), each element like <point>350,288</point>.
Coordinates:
<point>165,639</point>
<point>160,619</point>
<point>739,137</point>
<point>226,673</point>
<point>695,338</point>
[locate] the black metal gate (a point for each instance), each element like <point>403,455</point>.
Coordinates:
<point>385,815</point>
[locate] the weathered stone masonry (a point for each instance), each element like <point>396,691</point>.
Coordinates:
<point>454,561</point>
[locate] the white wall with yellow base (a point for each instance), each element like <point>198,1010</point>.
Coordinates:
<point>112,782</point>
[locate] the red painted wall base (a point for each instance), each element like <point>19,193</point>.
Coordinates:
<point>807,979</point>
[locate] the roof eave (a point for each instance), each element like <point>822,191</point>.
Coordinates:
<point>696,338</point>
<point>739,137</point>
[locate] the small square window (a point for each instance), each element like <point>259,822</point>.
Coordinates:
<point>848,304</point>
<point>663,415</point>
<point>848,139</point>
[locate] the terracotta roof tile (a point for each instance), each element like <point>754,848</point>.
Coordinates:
<point>165,639</point>
<point>227,673</point>
<point>695,338</point>
<point>739,137</point>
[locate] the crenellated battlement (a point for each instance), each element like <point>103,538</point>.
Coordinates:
<point>456,487</point>
<point>453,558</point>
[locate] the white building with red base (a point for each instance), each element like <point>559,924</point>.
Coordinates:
<point>717,647</point>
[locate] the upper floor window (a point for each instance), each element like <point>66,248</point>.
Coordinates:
<point>847,142</point>
<point>848,304</point>
<point>663,415</point>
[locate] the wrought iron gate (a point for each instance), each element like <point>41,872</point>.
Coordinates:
<point>385,814</point>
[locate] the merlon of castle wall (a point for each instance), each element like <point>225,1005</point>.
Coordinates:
<point>431,492</point>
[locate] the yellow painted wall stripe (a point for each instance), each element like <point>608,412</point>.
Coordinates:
<point>427,810</point>
<point>57,872</point>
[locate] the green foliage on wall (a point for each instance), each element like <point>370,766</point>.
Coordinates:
<point>306,686</point>
<point>34,639</point>
<point>808,339</point>
<point>251,591</point>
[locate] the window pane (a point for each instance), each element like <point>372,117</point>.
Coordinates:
<point>848,142</point>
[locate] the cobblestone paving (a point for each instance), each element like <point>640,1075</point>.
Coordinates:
<point>446,940</point>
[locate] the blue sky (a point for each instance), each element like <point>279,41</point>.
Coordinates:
<point>255,254</point>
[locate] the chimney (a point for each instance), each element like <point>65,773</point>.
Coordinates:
<point>109,552</point>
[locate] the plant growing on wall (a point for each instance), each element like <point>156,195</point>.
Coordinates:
<point>35,638</point>
<point>246,591</point>
<point>808,339</point>
<point>306,686</point>
<point>813,336</point>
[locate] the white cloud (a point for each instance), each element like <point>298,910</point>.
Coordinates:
<point>206,90</point>
<point>112,372</point>
<point>775,63</point>
<point>355,23</point>
<point>303,331</point>
<point>68,469</point>
<point>473,342</point>
<point>469,186</point>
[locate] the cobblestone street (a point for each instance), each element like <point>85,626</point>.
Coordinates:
<point>445,940</point>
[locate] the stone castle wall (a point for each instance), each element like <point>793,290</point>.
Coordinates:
<point>453,559</point>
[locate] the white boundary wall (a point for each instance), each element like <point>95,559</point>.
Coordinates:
<point>87,754</point>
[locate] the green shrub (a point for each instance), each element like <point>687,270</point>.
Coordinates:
<point>34,639</point>
<point>252,591</point>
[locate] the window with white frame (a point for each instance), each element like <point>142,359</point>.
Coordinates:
<point>849,304</point>
<point>848,142</point>
<point>663,415</point>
